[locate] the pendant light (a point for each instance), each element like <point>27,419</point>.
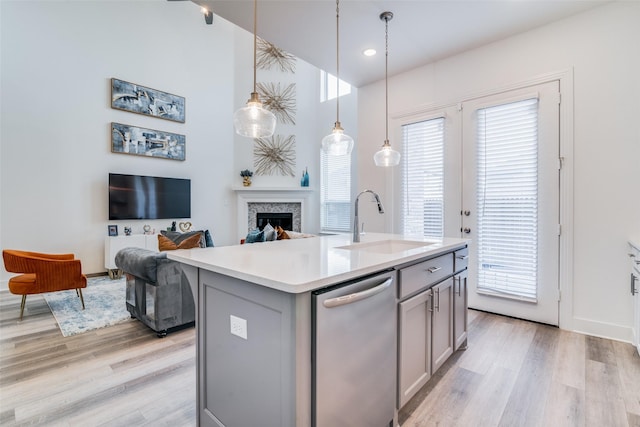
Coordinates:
<point>254,121</point>
<point>337,143</point>
<point>387,156</point>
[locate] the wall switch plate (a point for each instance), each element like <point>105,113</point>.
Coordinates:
<point>238,326</point>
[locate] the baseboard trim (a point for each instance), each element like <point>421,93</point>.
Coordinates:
<point>602,329</point>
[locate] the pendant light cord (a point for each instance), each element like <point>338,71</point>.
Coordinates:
<point>255,42</point>
<point>386,78</point>
<point>337,62</point>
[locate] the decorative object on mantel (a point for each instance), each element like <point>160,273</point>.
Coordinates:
<point>147,229</point>
<point>387,156</point>
<point>304,181</point>
<point>269,55</point>
<point>127,139</point>
<point>113,230</point>
<point>337,143</point>
<point>173,226</point>
<point>254,121</point>
<point>275,155</point>
<point>281,102</point>
<point>143,100</point>
<point>246,177</point>
<point>127,231</point>
<point>185,226</point>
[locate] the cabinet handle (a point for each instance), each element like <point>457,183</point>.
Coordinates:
<point>433,269</point>
<point>462,257</point>
<point>633,284</point>
<point>438,304</point>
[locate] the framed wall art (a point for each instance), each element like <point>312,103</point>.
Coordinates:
<point>144,100</point>
<point>138,141</point>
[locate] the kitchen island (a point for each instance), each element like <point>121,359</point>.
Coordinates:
<point>255,317</point>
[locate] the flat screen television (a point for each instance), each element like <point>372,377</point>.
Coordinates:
<point>148,197</point>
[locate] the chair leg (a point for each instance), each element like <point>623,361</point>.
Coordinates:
<point>22,304</point>
<point>79,292</point>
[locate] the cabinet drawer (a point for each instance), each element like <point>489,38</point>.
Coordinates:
<point>426,273</point>
<point>461,259</point>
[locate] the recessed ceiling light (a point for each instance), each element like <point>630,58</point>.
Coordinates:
<point>369,52</point>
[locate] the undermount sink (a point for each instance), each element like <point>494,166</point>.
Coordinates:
<point>386,246</point>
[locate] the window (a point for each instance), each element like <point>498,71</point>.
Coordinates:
<point>423,178</point>
<point>335,192</point>
<point>328,87</point>
<point>507,199</point>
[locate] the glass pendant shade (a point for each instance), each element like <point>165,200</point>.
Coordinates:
<point>254,121</point>
<point>387,156</point>
<point>337,143</point>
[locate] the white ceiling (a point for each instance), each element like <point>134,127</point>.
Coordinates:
<point>421,31</point>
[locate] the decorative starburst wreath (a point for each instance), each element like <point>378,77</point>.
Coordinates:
<point>281,102</point>
<point>268,56</point>
<point>275,155</point>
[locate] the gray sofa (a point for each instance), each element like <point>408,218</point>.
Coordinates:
<point>158,292</point>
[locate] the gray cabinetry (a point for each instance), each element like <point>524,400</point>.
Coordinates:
<point>460,310</point>
<point>432,318</point>
<point>460,302</point>
<point>414,345</point>
<point>442,324</point>
<point>246,354</point>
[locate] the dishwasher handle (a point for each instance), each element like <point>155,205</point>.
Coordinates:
<point>358,296</point>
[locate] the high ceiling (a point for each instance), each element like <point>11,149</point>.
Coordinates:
<point>421,31</point>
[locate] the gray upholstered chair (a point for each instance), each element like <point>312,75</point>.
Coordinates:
<point>158,292</point>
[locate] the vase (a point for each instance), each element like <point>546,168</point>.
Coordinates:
<point>246,181</point>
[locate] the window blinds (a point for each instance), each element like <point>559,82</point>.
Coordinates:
<point>335,192</point>
<point>423,178</point>
<point>507,199</point>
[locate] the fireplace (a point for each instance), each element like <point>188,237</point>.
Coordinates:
<point>286,214</point>
<point>282,219</point>
<point>252,201</point>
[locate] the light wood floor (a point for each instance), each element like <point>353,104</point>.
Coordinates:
<point>515,373</point>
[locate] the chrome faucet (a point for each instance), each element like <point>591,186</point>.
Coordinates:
<point>356,232</point>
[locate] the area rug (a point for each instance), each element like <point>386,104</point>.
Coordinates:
<point>104,301</point>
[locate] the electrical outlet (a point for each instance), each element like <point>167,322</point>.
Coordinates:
<point>238,326</point>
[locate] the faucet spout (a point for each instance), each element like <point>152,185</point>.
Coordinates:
<point>356,232</point>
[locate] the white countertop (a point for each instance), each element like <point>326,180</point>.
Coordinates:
<point>301,265</point>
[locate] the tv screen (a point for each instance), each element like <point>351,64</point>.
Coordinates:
<point>148,197</point>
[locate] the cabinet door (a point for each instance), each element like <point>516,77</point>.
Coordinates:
<point>414,345</point>
<point>460,309</point>
<point>442,324</point>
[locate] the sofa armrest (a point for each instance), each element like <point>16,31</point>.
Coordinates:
<point>142,263</point>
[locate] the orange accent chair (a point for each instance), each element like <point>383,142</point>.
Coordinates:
<point>43,273</point>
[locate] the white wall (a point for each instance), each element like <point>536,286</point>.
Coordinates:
<point>601,47</point>
<point>56,64</point>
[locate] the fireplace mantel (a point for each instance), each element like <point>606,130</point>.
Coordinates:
<point>274,189</point>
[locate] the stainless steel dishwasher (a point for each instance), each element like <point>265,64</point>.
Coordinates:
<point>354,353</point>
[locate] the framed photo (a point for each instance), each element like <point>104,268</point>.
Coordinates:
<point>128,139</point>
<point>144,100</point>
<point>113,230</point>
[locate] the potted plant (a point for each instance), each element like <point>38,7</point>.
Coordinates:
<point>246,177</point>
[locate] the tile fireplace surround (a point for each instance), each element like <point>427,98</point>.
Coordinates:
<point>273,200</point>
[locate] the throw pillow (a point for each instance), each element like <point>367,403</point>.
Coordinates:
<point>178,237</point>
<point>282,235</point>
<point>166,244</point>
<point>208,239</point>
<point>255,236</point>
<point>269,233</point>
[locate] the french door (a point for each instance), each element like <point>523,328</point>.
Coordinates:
<point>510,201</point>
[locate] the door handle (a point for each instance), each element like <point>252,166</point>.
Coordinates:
<point>467,230</point>
<point>357,296</point>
